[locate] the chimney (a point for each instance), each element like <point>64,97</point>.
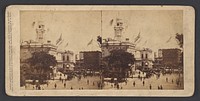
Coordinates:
<point>127,39</point>
<point>48,41</point>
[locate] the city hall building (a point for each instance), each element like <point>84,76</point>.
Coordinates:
<point>143,57</point>
<point>64,58</point>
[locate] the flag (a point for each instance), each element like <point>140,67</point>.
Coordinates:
<point>137,38</point>
<point>59,40</point>
<point>111,22</point>
<point>145,42</point>
<point>66,45</point>
<point>169,39</point>
<point>33,24</point>
<point>138,41</point>
<point>90,42</point>
<point>99,39</point>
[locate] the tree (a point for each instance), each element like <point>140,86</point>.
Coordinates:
<point>99,40</point>
<point>120,61</point>
<point>41,62</point>
<point>179,38</point>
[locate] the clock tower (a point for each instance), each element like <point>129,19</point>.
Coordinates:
<point>118,28</point>
<point>40,30</point>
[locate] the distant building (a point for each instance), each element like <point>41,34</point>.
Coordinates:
<point>147,58</point>
<point>170,57</point>
<point>65,60</point>
<point>90,59</point>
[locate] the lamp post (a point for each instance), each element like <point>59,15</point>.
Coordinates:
<point>53,69</point>
<point>101,76</point>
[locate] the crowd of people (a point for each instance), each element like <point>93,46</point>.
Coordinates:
<point>62,82</point>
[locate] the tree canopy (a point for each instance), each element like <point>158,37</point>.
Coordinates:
<point>179,38</point>
<point>41,62</point>
<point>120,59</point>
<point>118,64</point>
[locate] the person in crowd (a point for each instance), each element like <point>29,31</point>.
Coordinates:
<point>55,85</point>
<point>161,87</point>
<point>143,83</point>
<point>88,82</point>
<point>150,86</point>
<point>158,87</point>
<point>65,85</point>
<point>39,88</point>
<point>126,82</point>
<point>134,83</point>
<point>36,87</point>
<point>117,86</point>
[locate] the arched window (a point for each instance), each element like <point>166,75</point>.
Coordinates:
<point>67,58</point>
<point>142,56</point>
<point>146,56</point>
<point>63,58</point>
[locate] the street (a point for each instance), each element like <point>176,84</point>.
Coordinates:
<point>165,82</point>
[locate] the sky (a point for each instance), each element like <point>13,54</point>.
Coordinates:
<point>157,28</point>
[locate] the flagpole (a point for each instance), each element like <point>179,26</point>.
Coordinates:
<point>101,22</point>
<point>101,67</point>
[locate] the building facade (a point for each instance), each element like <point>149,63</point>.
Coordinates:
<point>91,59</point>
<point>65,60</point>
<point>143,57</point>
<point>26,51</point>
<point>146,58</point>
<point>171,57</point>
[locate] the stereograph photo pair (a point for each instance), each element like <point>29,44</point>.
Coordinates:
<point>71,50</point>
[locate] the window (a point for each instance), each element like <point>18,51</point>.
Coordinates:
<point>146,56</point>
<point>142,56</point>
<point>67,58</point>
<point>63,58</point>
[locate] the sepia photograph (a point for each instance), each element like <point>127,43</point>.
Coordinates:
<point>101,48</point>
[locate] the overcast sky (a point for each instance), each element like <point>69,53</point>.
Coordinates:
<point>78,28</point>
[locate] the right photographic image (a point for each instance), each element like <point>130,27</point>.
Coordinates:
<point>143,49</point>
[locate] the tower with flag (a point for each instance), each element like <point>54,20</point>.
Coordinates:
<point>118,28</point>
<point>40,30</point>
<point>118,43</point>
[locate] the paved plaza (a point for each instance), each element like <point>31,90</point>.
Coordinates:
<point>167,81</point>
